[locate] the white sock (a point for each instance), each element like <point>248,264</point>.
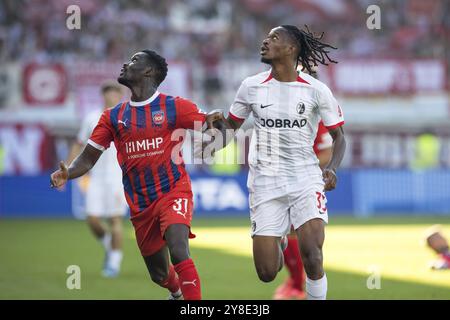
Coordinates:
<point>106,241</point>
<point>115,259</point>
<point>317,289</point>
<point>176,294</point>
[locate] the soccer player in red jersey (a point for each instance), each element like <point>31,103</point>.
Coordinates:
<point>156,184</point>
<point>294,286</point>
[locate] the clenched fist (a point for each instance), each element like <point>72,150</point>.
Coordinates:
<point>330,179</point>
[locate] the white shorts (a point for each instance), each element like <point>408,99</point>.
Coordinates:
<point>105,200</point>
<point>272,212</point>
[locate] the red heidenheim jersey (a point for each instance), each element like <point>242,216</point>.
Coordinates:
<point>148,144</point>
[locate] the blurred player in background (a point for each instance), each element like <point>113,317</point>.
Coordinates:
<point>439,244</point>
<point>156,184</point>
<point>104,195</point>
<point>294,286</point>
<point>286,185</point>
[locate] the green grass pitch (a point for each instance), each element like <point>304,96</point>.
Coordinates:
<point>35,254</point>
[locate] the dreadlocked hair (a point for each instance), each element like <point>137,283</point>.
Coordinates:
<point>312,49</point>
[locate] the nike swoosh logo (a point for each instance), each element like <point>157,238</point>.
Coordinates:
<point>265,106</point>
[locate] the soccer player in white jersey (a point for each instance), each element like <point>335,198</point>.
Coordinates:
<point>286,184</point>
<point>104,197</point>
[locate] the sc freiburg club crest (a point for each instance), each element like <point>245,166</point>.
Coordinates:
<point>300,108</point>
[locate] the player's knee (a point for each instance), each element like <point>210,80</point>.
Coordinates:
<point>116,226</point>
<point>266,275</point>
<point>312,261</point>
<point>94,222</point>
<point>179,251</point>
<point>159,276</point>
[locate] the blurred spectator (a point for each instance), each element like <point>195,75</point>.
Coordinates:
<point>427,151</point>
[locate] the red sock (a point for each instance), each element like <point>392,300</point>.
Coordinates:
<point>171,282</point>
<point>294,263</point>
<point>189,280</point>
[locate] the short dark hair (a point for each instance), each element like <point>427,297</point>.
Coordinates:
<point>110,85</point>
<point>160,63</point>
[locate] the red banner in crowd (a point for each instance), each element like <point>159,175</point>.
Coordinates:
<point>44,84</point>
<point>25,149</point>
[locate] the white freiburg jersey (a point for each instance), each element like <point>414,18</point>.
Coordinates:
<point>286,115</point>
<point>107,168</point>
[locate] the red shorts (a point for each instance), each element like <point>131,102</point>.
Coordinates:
<point>175,207</point>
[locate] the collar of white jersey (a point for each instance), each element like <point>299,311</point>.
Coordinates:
<point>299,78</point>
<point>143,103</point>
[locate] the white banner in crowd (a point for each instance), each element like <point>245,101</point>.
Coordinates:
<point>377,77</point>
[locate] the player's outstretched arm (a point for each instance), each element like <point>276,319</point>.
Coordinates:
<point>82,164</point>
<point>216,120</point>
<point>221,131</point>
<point>329,172</point>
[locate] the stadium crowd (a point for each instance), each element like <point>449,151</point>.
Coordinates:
<point>113,29</point>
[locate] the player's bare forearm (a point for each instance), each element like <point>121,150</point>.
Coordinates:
<point>339,145</point>
<point>329,172</point>
<point>226,126</point>
<point>235,125</point>
<point>324,157</point>
<point>84,162</point>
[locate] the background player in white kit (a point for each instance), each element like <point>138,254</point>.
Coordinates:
<point>286,185</point>
<point>104,197</point>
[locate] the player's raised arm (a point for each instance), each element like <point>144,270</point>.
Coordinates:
<point>217,120</point>
<point>221,129</point>
<point>82,164</point>
<point>339,144</point>
<point>99,140</point>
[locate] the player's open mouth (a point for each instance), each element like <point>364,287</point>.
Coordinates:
<point>263,50</point>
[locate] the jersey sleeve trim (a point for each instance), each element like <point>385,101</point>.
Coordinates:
<point>324,145</point>
<point>235,118</point>
<point>334,126</point>
<point>96,145</point>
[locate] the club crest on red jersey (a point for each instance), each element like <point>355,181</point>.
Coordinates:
<point>158,117</point>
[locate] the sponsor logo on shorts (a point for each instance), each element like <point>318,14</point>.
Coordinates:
<point>181,204</point>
